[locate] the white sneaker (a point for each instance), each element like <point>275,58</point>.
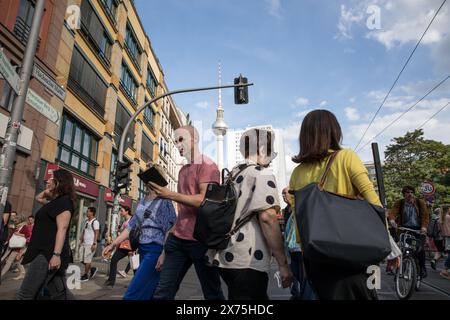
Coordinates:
<point>122,273</point>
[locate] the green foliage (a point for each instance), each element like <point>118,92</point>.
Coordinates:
<point>410,160</point>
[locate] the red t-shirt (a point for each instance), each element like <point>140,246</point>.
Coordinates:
<point>27,230</point>
<point>189,180</point>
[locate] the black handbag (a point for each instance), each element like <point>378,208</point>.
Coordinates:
<point>214,224</point>
<point>340,230</point>
<point>135,233</point>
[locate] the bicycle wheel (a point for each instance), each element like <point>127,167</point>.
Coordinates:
<point>405,283</point>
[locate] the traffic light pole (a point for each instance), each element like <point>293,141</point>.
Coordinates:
<point>128,125</point>
<point>8,153</point>
<point>379,174</point>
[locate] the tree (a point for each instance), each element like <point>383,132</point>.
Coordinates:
<point>410,160</point>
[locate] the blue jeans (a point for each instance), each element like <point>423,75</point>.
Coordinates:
<point>447,261</point>
<point>146,278</point>
<point>180,255</point>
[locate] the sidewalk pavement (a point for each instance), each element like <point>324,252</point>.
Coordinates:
<point>90,290</point>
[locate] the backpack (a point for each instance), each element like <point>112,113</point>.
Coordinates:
<point>215,217</point>
<point>91,225</point>
<point>434,230</point>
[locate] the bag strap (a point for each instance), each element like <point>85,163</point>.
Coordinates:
<point>241,169</point>
<point>239,224</point>
<point>327,169</point>
<point>149,210</point>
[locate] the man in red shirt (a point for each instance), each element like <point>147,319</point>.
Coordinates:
<point>181,249</point>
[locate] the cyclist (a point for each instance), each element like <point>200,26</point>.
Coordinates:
<point>412,213</point>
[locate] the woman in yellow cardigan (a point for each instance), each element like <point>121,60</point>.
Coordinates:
<point>320,135</point>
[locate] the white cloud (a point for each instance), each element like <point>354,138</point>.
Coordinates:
<point>323,103</point>
<point>436,129</point>
<point>405,21</point>
<point>290,137</point>
<point>347,19</point>
<point>202,105</point>
<point>402,22</point>
<point>290,166</point>
<point>303,113</point>
<point>351,114</point>
<point>301,102</point>
<point>441,55</point>
<point>274,8</point>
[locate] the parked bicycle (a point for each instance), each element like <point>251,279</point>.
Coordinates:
<point>407,277</point>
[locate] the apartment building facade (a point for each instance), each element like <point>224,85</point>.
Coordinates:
<point>101,56</point>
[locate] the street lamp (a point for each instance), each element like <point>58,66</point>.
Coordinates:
<point>242,83</point>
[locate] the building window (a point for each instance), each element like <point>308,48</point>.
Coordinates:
<point>95,32</point>
<point>151,81</point>
<point>110,8</point>
<point>149,116</point>
<point>86,83</point>
<point>122,117</point>
<point>22,26</point>
<point>132,45</point>
<point>146,149</point>
<point>77,146</point>
<point>128,83</point>
<point>7,94</point>
<point>141,189</point>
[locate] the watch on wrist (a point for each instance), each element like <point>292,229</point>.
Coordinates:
<point>57,254</point>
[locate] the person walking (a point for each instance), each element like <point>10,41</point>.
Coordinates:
<point>320,137</point>
<point>181,249</point>
<point>122,251</point>
<point>49,254</point>
<point>156,216</point>
<point>89,240</point>
<point>245,264</point>
<point>444,222</point>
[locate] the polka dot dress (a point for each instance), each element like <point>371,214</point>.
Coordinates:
<point>257,191</point>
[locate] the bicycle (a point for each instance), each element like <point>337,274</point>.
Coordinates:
<point>407,276</point>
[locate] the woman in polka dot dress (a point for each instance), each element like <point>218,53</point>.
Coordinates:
<point>244,265</point>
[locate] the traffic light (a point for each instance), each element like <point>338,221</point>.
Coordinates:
<point>240,93</point>
<point>122,180</point>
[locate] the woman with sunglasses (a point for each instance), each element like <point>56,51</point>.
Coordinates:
<point>48,254</point>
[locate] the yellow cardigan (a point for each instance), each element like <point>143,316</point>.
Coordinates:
<point>348,176</point>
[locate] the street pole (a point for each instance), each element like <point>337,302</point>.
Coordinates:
<point>379,174</point>
<point>8,152</point>
<point>128,125</point>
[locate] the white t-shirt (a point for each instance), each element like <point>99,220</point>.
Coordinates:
<point>89,233</point>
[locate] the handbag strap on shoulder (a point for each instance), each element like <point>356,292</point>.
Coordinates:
<point>241,169</point>
<point>327,169</point>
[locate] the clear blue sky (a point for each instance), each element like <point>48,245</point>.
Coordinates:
<point>304,55</point>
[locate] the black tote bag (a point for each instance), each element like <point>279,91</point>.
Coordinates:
<point>338,229</point>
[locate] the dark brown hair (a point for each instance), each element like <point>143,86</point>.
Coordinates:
<point>64,184</point>
<point>127,209</point>
<point>408,188</point>
<point>320,132</point>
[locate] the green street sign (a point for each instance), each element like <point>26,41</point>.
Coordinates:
<point>45,108</point>
<point>9,73</point>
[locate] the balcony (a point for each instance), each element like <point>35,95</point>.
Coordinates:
<point>22,32</point>
<point>85,96</point>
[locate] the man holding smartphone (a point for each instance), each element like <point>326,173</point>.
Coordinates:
<point>181,249</point>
